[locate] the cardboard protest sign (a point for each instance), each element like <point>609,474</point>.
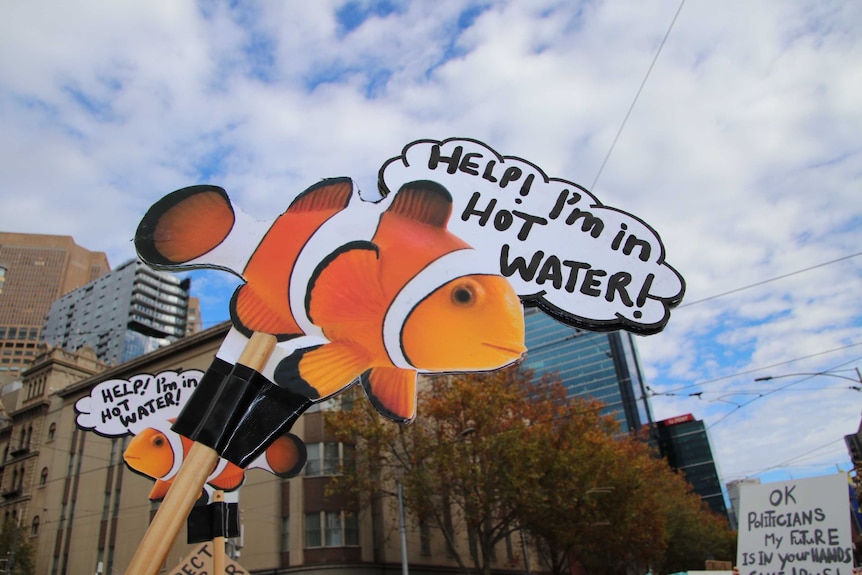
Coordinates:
<point>799,527</point>
<point>200,562</point>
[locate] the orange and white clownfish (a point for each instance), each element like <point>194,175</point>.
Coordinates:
<point>393,294</point>
<point>153,452</point>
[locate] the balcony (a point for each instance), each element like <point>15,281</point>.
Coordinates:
<point>20,450</point>
<point>12,492</point>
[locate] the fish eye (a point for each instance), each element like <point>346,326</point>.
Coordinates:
<point>464,294</point>
<point>158,441</point>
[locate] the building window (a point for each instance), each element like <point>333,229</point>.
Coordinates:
<point>43,478</point>
<point>424,537</point>
<point>327,458</point>
<point>331,529</point>
<point>285,534</point>
<point>52,430</point>
<point>34,530</point>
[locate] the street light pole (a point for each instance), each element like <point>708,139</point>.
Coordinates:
<point>402,528</point>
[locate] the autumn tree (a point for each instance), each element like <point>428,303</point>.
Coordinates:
<point>603,501</point>
<point>463,463</point>
<point>591,496</point>
<point>492,454</point>
<point>16,552</point>
<point>694,532</point>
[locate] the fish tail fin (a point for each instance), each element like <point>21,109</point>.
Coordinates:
<point>392,391</point>
<point>286,456</point>
<point>184,225</point>
<point>423,201</point>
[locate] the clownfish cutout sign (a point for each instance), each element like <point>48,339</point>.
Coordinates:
<point>145,406</point>
<point>158,452</point>
<point>430,278</point>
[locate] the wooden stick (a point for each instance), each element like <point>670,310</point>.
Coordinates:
<point>218,541</point>
<point>190,480</point>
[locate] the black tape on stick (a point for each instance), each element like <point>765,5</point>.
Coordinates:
<point>238,412</point>
<point>214,519</point>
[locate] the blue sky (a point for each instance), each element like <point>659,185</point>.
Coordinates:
<point>742,151</point>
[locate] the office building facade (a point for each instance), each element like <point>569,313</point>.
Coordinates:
<point>127,313</point>
<point>598,365</point>
<point>684,442</point>
<point>35,270</point>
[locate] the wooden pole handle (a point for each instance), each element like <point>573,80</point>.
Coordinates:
<point>190,480</point>
<point>218,541</point>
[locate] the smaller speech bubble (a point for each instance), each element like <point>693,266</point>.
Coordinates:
<point>118,407</point>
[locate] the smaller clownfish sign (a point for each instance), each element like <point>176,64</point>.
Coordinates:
<point>587,264</point>
<point>145,406</point>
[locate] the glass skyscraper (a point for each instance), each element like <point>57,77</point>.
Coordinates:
<point>684,442</point>
<point>599,365</point>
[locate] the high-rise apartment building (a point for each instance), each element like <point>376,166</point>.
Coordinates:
<point>194,321</point>
<point>601,366</point>
<point>35,270</point>
<point>124,314</point>
<point>684,442</point>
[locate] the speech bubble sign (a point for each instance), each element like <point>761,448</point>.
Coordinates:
<point>118,407</point>
<point>585,263</point>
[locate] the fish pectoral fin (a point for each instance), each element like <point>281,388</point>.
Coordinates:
<point>322,371</point>
<point>159,490</point>
<point>286,456</point>
<point>184,225</point>
<point>229,479</point>
<point>346,289</point>
<point>392,391</point>
<point>250,312</point>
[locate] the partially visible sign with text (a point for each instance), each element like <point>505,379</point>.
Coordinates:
<point>799,527</point>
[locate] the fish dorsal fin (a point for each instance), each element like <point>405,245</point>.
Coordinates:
<point>423,201</point>
<point>327,194</point>
<point>184,225</point>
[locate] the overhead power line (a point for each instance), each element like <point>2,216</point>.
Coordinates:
<point>776,278</point>
<point>637,95</point>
